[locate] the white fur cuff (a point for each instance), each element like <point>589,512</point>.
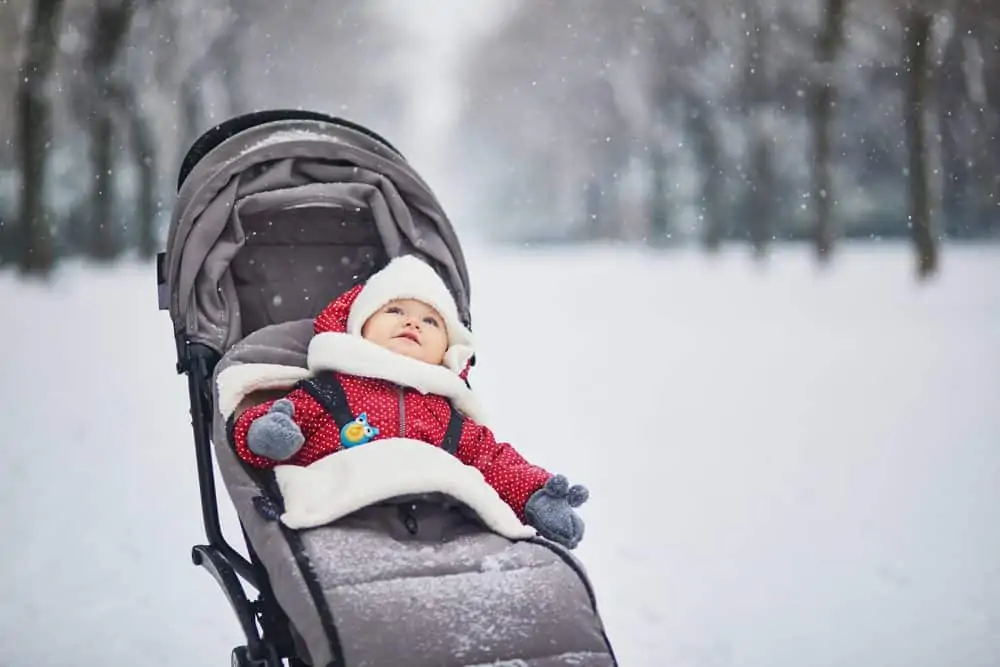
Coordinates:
<point>239,381</point>
<point>350,479</point>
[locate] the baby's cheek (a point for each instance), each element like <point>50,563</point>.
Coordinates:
<point>376,335</point>
<point>440,343</point>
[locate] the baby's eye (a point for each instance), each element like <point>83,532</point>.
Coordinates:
<point>431,321</point>
<point>394,310</point>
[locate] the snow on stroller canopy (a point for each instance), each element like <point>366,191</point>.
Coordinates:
<point>278,219</point>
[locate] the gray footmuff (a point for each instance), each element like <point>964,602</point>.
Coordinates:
<point>417,581</point>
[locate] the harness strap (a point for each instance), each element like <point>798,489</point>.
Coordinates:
<point>326,389</point>
<point>454,432</point>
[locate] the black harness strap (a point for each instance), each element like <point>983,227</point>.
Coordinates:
<point>327,391</point>
<point>454,433</point>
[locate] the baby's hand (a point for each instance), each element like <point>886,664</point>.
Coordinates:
<point>549,511</point>
<point>275,435</point>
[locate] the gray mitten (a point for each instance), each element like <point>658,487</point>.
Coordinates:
<point>549,511</point>
<point>274,435</point>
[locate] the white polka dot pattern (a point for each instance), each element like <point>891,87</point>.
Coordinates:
<point>423,417</point>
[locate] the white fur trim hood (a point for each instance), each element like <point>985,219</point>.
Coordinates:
<point>408,277</point>
<point>352,355</point>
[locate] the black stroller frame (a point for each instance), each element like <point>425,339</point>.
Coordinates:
<point>268,644</point>
<point>268,631</point>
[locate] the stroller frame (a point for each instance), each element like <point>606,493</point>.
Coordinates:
<point>268,631</point>
<point>264,624</point>
<point>268,644</point>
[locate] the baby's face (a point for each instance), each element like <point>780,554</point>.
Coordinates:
<point>408,327</point>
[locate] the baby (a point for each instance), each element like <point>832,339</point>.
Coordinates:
<point>392,357</point>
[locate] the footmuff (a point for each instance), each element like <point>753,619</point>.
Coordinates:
<point>395,553</point>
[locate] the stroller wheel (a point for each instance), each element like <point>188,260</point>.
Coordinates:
<point>240,657</point>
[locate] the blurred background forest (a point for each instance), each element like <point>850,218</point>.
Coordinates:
<point>659,122</point>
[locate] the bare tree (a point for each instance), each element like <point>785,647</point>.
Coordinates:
<point>918,24</point>
<point>144,157</point>
<point>708,152</point>
<point>220,59</point>
<point>141,74</point>
<point>977,31</point>
<point>828,44</point>
<point>109,32</point>
<point>585,119</point>
<point>36,251</point>
<point>757,92</point>
<point>126,70</point>
<point>551,91</point>
<point>953,118</point>
<point>685,38</point>
<point>13,15</point>
<point>666,60</point>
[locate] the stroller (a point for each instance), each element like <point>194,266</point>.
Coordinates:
<point>277,213</point>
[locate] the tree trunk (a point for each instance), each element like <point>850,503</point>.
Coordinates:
<point>102,241</point>
<point>987,124</point>
<point>760,180</point>
<point>616,156</point>
<point>659,214</point>
<point>955,193</point>
<point>760,207</point>
<point>222,56</point>
<point>954,111</point>
<point>824,101</point>
<point>192,111</point>
<point>917,102</point>
<point>230,68</point>
<point>708,154</point>
<point>166,73</point>
<point>593,199</point>
<point>35,245</point>
<point>143,146</point>
<point>111,24</point>
<point>968,130</point>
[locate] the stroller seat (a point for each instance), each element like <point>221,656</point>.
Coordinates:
<point>277,213</point>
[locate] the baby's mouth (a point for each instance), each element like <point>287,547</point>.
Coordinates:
<point>410,335</point>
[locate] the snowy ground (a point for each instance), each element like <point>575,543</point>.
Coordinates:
<point>787,468</point>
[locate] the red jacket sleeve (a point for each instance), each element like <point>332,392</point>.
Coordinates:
<point>509,473</point>
<point>309,415</point>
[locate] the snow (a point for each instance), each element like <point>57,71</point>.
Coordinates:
<point>289,136</point>
<point>786,466</point>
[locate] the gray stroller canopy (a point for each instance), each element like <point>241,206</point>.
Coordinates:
<point>281,218</point>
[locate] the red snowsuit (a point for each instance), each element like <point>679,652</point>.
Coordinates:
<point>394,407</point>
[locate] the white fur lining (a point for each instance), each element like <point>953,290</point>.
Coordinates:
<point>353,355</point>
<point>350,479</point>
<point>239,381</point>
<point>408,277</point>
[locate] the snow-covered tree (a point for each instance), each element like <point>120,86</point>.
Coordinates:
<point>105,96</point>
<point>756,119</point>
